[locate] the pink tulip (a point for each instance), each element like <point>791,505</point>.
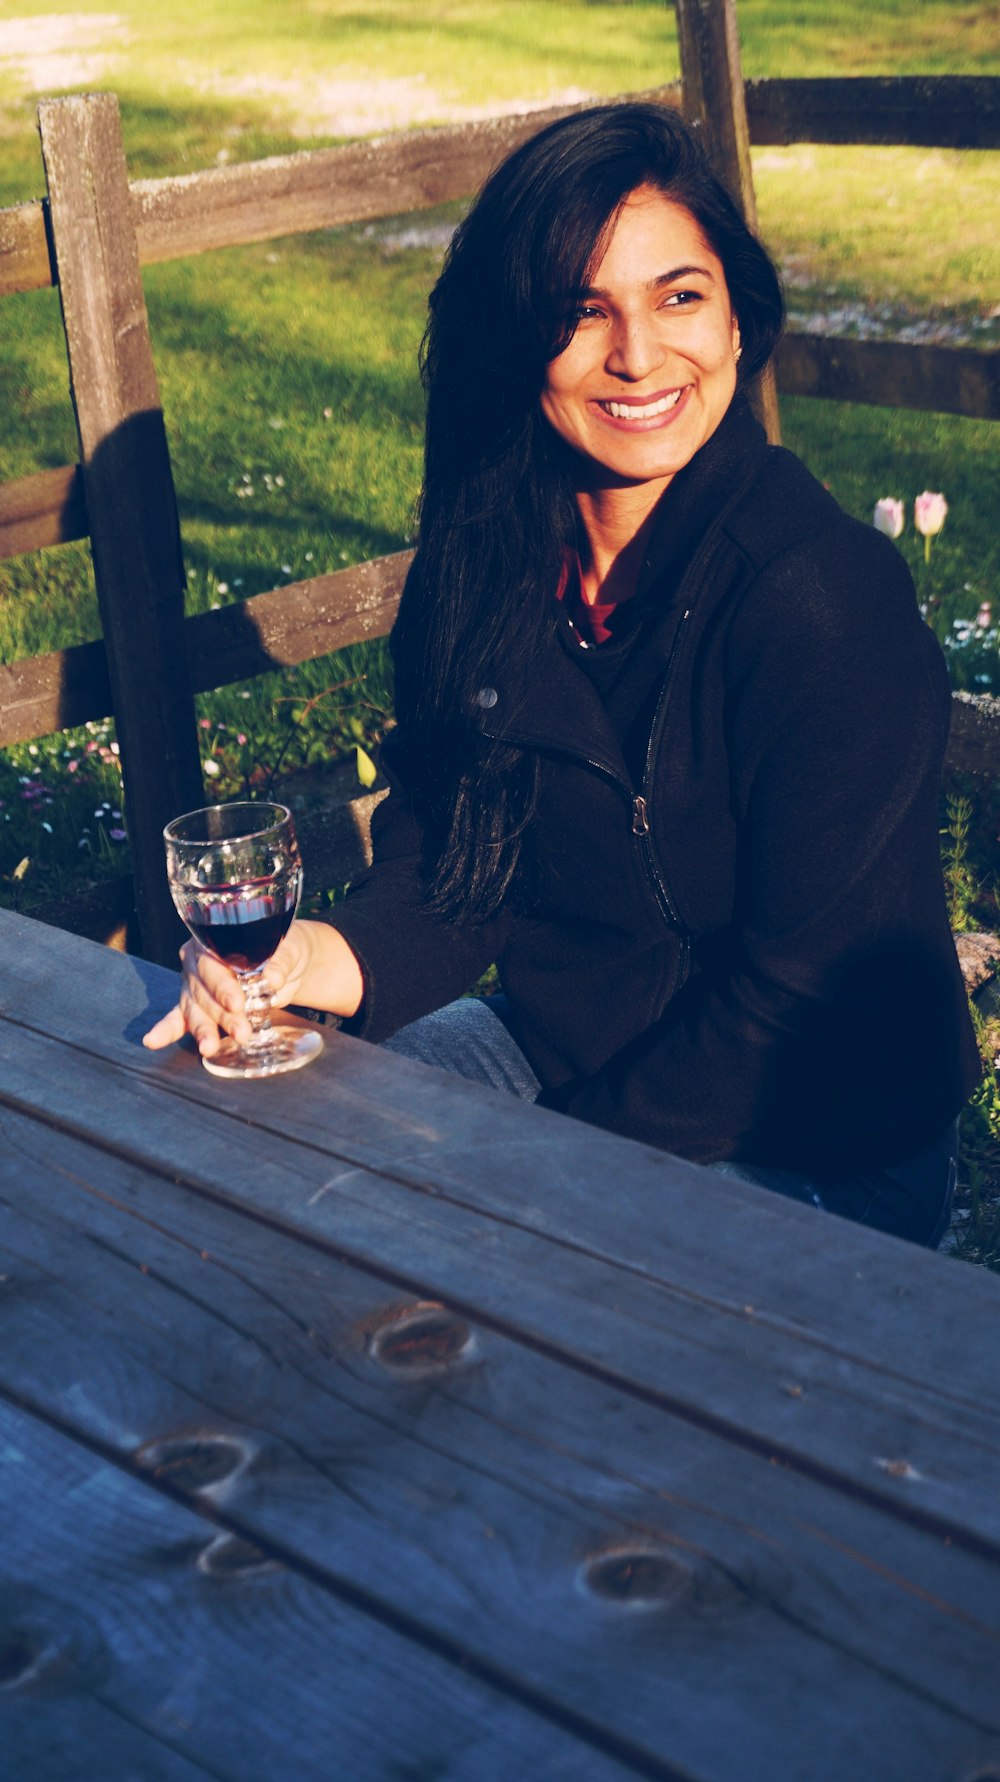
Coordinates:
<point>889,517</point>
<point>929,513</point>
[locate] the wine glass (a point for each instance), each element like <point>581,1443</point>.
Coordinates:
<point>235,876</point>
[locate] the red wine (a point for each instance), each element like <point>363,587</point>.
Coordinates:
<point>242,925</point>
<point>244,945</point>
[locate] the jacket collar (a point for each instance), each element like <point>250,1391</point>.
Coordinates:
<point>558,707</point>
<point>696,502</point>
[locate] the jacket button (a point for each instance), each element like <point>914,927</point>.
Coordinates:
<point>487,698</point>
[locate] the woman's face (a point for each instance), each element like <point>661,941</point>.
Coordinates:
<point>650,370</point>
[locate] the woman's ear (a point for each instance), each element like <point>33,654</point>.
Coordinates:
<point>737,343</point>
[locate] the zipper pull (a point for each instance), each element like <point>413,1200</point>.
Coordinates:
<point>640,821</point>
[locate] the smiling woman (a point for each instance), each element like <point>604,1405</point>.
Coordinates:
<point>651,366</point>
<point>670,724</point>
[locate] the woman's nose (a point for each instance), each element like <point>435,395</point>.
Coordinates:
<point>635,348</point>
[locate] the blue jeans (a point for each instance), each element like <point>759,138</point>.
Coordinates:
<point>470,1038</point>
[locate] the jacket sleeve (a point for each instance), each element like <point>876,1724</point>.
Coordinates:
<point>411,961</point>
<point>833,980</point>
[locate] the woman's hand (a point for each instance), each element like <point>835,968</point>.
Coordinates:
<point>313,965</point>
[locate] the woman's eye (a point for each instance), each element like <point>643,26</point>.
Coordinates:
<point>678,298</point>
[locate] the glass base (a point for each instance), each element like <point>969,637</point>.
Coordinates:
<point>285,1048</point>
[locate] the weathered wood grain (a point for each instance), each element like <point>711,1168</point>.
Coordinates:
<point>404,1171</point>
<point>193,1654</point>
<point>470,1497</point>
<point>25,260</point>
<point>296,622</point>
<point>713,94</point>
<point>890,374</point>
<point>135,539</point>
<point>714,102</point>
<point>45,509</point>
<point>928,111</point>
<point>326,187</point>
<point>287,625</point>
<point>40,694</point>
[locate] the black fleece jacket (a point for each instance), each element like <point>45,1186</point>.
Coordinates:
<point>735,944</point>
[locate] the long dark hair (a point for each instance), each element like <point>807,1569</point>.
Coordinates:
<point>497,510</point>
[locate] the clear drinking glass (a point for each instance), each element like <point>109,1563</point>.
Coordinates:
<point>235,876</point>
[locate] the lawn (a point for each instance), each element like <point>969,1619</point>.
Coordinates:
<point>288,370</point>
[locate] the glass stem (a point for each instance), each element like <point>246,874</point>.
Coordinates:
<point>258,1005</point>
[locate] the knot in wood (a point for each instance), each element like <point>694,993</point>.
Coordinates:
<point>422,1340</point>
<point>228,1556</point>
<point>193,1464</point>
<point>634,1577</point>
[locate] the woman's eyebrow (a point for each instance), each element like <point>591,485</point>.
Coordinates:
<point>662,278</point>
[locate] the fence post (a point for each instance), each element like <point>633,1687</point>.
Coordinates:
<point>135,538</point>
<point>715,102</point>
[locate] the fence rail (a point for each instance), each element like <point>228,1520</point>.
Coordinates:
<point>387,176</point>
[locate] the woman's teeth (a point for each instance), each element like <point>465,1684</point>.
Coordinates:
<point>629,411</point>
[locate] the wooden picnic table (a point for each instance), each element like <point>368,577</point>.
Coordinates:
<point>363,1424</point>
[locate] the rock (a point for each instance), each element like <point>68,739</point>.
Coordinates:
<point>979,958</point>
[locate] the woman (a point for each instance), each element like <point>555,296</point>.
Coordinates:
<point>670,726</point>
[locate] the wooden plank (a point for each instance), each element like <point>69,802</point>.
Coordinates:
<point>714,103</point>
<point>41,694</point>
<point>470,1497</point>
<point>296,622</point>
<point>326,188</point>
<point>891,374</point>
<point>130,495</point>
<point>25,260</point>
<point>928,111</point>
<point>712,83</point>
<point>383,177</point>
<point>405,1171</point>
<point>287,625</point>
<point>211,1657</point>
<point>48,508</point>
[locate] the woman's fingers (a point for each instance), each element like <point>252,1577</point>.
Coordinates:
<point>210,1000</point>
<point>284,968</point>
<point>166,1031</point>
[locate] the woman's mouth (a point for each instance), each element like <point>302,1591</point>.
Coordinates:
<point>647,412</point>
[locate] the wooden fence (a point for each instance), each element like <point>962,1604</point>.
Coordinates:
<point>94,232</point>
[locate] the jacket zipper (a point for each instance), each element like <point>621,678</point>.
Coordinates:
<point>638,800</point>
<point>640,807</point>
